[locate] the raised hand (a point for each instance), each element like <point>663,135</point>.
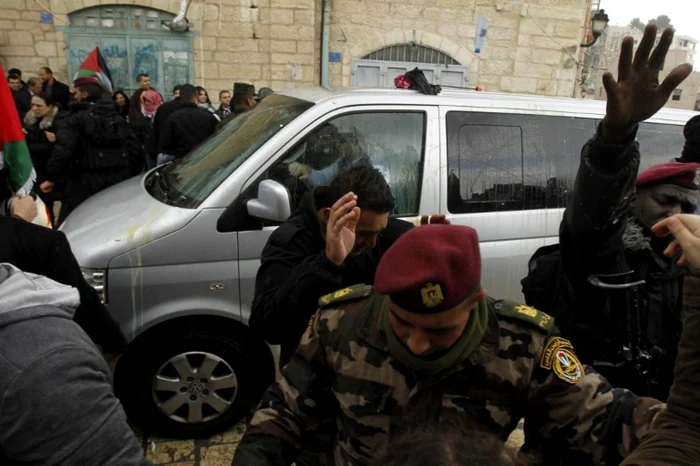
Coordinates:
<point>637,95</point>
<point>340,228</point>
<point>435,219</point>
<point>685,229</point>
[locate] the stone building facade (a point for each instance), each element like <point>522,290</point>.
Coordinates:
<point>531,47</point>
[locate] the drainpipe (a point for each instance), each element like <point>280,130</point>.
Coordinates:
<point>325,43</point>
<point>179,23</point>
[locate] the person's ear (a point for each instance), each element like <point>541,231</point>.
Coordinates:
<point>326,214</point>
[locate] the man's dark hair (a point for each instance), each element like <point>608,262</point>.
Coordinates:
<point>141,76</point>
<point>443,446</point>
<point>372,191</point>
<point>14,76</point>
<point>94,91</point>
<point>47,69</point>
<point>188,93</point>
<point>48,99</point>
<point>177,88</point>
<point>223,92</point>
<point>33,80</point>
<point>15,71</point>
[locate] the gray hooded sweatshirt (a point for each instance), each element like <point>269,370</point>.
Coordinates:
<point>56,403</point>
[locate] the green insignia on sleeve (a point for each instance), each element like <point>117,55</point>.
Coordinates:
<point>525,313</point>
<point>346,294</point>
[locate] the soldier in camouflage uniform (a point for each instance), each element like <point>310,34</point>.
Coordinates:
<point>428,344</point>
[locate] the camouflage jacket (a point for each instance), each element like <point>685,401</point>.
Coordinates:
<point>522,369</point>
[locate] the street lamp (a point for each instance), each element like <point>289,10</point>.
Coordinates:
<point>598,24</point>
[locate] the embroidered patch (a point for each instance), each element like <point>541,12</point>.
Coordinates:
<point>310,327</point>
<point>431,295</point>
<point>341,293</point>
<point>527,310</point>
<point>696,181</point>
<point>558,356</point>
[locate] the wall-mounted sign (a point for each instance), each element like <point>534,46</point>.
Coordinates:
<point>335,57</point>
<point>46,17</point>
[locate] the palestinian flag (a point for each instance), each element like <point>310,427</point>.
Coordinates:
<point>95,67</point>
<point>14,153</point>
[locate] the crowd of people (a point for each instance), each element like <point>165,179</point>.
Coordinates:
<point>392,351</point>
<point>81,141</point>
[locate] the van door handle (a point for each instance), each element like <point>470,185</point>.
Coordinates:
<point>217,287</point>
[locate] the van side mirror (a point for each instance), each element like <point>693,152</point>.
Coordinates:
<point>272,203</point>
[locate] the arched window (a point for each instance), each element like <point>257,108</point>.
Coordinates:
<point>379,68</point>
<point>133,41</point>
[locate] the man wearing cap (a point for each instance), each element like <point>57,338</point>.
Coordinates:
<point>691,149</point>
<point>429,346</point>
<point>244,99</point>
<point>606,230</point>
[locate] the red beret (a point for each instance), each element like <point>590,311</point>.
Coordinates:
<point>431,268</point>
<point>686,175</point>
<point>83,80</point>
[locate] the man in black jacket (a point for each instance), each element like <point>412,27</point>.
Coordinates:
<point>607,230</point>
<point>53,88</point>
<point>94,150</point>
<point>35,249</point>
<point>163,113</point>
<point>186,128</point>
<point>335,238</point>
<point>21,94</point>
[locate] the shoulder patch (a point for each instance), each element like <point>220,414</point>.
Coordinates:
<point>525,313</point>
<point>346,294</point>
<point>559,357</point>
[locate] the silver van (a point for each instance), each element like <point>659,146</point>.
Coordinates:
<point>174,253</point>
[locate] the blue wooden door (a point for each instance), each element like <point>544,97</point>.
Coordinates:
<point>166,59</point>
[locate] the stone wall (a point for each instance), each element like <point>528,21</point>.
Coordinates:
<point>531,45</point>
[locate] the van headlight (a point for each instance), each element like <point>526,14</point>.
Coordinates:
<point>96,278</point>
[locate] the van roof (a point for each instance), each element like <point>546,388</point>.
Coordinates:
<point>455,97</point>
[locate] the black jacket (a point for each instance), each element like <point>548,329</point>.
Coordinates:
<point>294,273</point>
<point>60,93</point>
<point>40,148</point>
<point>187,128</point>
<point>142,127</point>
<point>222,112</point>
<point>23,101</point>
<point>161,118</point>
<point>46,252</point>
<point>598,235</point>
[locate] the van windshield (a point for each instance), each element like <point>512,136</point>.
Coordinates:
<point>188,181</point>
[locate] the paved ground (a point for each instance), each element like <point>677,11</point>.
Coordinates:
<point>215,451</point>
<point>218,450</point>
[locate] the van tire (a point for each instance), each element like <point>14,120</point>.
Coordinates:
<point>137,369</point>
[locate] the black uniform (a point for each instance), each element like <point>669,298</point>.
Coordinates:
<point>295,272</point>
<point>35,249</point>
<point>599,235</point>
<point>187,128</point>
<point>95,149</point>
<point>59,91</point>
<point>161,118</point>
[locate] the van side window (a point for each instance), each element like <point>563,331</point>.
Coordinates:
<point>505,162</point>
<point>392,142</point>
<point>659,143</point>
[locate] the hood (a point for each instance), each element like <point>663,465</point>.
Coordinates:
<point>634,237</point>
<point>20,291</point>
<point>46,121</point>
<point>119,219</point>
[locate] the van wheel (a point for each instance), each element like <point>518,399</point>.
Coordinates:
<point>188,383</point>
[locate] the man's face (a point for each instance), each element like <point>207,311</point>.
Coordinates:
<point>44,76</point>
<point>79,94</point>
<point>145,83</point>
<point>369,225</point>
<point>225,99</point>
<point>35,87</point>
<point>427,335</point>
<point>15,84</point>
<point>251,102</point>
<point>176,93</point>
<point>658,202</point>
